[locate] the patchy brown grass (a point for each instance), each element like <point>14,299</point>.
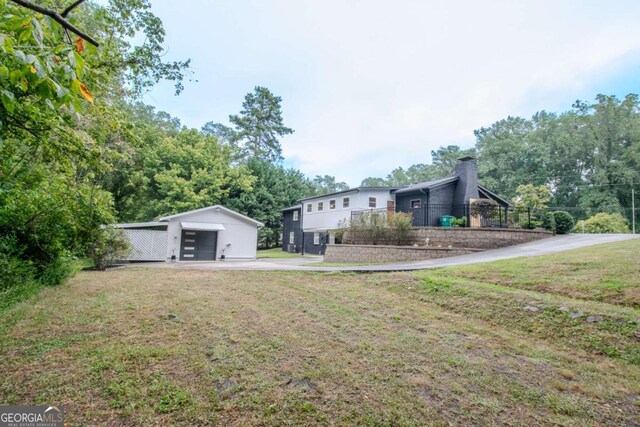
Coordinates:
<point>177,347</point>
<point>608,273</point>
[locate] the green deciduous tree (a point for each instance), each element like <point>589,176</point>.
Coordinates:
<point>189,171</point>
<point>58,119</point>
<point>531,197</point>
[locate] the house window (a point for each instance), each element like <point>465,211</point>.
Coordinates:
<point>295,215</point>
<point>332,204</point>
<point>345,202</point>
<point>292,237</point>
<point>309,207</point>
<point>316,238</point>
<point>372,202</point>
<point>320,206</point>
<point>415,204</point>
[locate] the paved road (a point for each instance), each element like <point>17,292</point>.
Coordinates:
<point>540,247</point>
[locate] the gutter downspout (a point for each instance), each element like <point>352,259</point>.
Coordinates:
<point>302,228</point>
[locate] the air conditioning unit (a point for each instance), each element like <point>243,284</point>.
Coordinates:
<point>291,249</point>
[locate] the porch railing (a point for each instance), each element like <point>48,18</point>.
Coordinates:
<point>435,215</point>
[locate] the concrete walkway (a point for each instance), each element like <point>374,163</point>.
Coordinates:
<point>539,247</point>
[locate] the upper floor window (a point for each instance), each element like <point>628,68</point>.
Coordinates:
<point>345,202</point>
<point>295,215</point>
<point>415,204</point>
<point>332,204</point>
<point>320,206</point>
<point>309,207</point>
<point>372,202</point>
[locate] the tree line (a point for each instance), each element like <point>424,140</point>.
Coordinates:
<point>587,158</point>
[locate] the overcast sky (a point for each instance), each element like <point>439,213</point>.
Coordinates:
<point>372,85</point>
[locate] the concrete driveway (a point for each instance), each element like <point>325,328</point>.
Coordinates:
<point>540,247</point>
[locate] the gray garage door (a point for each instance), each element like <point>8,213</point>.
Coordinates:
<point>198,245</point>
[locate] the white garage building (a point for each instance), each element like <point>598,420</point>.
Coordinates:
<point>206,234</point>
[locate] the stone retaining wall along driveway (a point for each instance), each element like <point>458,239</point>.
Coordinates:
<point>479,238</point>
<point>442,242</point>
<point>378,253</point>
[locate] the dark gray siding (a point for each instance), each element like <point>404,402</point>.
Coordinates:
<point>436,203</point>
<point>467,186</point>
<point>403,202</point>
<point>442,195</point>
<point>289,225</point>
<point>310,248</point>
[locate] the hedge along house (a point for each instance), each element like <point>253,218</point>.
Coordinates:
<point>207,234</point>
<point>308,227</point>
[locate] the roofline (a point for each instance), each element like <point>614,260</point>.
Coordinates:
<point>350,190</point>
<point>139,224</point>
<point>291,208</point>
<point>217,207</point>
<point>417,187</point>
<point>491,193</point>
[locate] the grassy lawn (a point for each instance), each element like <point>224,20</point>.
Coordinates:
<point>276,253</point>
<point>533,341</point>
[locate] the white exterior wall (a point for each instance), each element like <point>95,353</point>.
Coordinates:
<point>242,235</point>
<point>329,219</point>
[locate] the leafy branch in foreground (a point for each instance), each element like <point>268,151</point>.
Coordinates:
<point>60,18</point>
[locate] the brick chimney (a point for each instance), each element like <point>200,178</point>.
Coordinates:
<point>467,185</point>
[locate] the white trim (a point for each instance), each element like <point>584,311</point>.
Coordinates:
<point>217,208</point>
<point>140,224</point>
<point>207,226</point>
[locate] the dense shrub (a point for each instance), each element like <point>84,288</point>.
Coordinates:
<point>564,222</point>
<point>531,224</point>
<point>15,269</point>
<point>604,223</point>
<point>399,225</point>
<point>460,222</point>
<point>110,245</point>
<point>549,221</point>
<point>379,228</point>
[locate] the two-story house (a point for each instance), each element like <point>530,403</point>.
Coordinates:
<point>309,226</point>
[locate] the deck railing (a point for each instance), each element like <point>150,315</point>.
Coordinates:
<point>448,215</point>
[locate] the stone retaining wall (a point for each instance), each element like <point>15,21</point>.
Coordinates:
<point>478,238</point>
<point>378,253</point>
